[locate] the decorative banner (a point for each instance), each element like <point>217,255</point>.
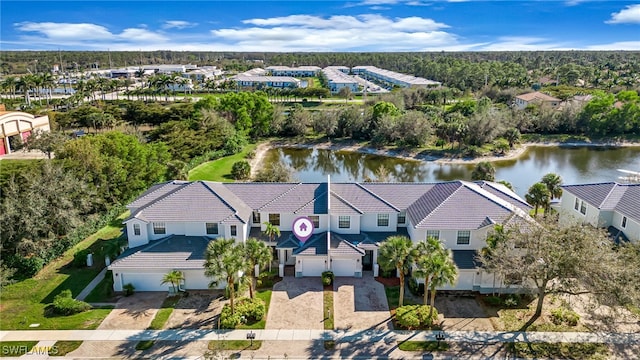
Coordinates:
<point>303,228</point>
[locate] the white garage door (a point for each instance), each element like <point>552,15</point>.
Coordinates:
<point>343,267</point>
<point>145,282</point>
<point>196,280</point>
<point>312,267</point>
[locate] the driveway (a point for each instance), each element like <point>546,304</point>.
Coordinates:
<point>296,303</point>
<point>360,303</point>
<point>134,312</point>
<point>199,310</point>
<point>462,313</point>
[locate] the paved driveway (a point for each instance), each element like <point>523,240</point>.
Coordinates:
<point>360,303</point>
<point>296,303</point>
<point>199,310</point>
<point>462,313</point>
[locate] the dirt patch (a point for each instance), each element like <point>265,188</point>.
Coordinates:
<point>256,162</point>
<point>600,317</point>
<point>199,310</point>
<point>388,281</point>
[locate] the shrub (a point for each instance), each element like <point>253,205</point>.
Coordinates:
<point>128,289</point>
<point>415,288</point>
<point>250,155</point>
<point>493,300</point>
<point>80,258</point>
<point>64,304</point>
<point>511,301</point>
<point>415,316</point>
<point>327,278</point>
<point>563,315</point>
<point>25,267</point>
<point>252,310</point>
<point>227,319</point>
<point>241,170</point>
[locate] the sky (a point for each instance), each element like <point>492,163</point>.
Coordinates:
<point>320,26</point>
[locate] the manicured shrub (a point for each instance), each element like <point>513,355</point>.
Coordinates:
<point>252,310</point>
<point>128,289</point>
<point>241,170</point>
<point>80,258</point>
<point>563,315</point>
<point>65,304</point>
<point>327,278</point>
<point>415,288</point>
<point>25,267</point>
<point>415,316</point>
<point>227,319</point>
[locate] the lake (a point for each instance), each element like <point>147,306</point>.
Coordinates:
<point>576,165</point>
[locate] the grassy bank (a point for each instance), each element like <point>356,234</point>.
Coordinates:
<point>220,169</point>
<point>26,302</point>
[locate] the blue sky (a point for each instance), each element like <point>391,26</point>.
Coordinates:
<point>366,25</point>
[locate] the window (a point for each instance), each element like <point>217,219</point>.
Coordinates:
<point>315,219</point>
<point>433,234</point>
<point>463,237</point>
<point>344,222</point>
<point>136,229</point>
<point>402,217</point>
<point>624,222</point>
<point>583,208</point>
<point>234,230</point>
<point>159,228</point>
<point>383,219</point>
<point>576,205</point>
<point>274,219</point>
<point>212,228</point>
<point>256,217</point>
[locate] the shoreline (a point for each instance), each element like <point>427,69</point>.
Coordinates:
<point>512,154</point>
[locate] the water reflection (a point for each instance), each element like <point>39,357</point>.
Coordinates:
<point>575,165</point>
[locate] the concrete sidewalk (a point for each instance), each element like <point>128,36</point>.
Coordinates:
<point>306,335</point>
<point>87,290</point>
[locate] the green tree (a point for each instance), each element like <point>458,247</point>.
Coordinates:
<point>495,237</point>
<point>275,172</point>
<point>173,277</point>
<point>225,261</point>
<point>345,93</point>
<point>512,135</point>
<point>484,171</point>
<point>271,230</point>
<point>395,253</point>
<point>538,196</point>
<point>256,253</point>
<point>553,182</point>
<point>45,141</point>
<point>422,255</point>
<point>241,170</point>
<point>444,272</point>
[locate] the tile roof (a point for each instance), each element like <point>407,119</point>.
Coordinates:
<point>301,197</point>
<point>536,95</point>
<point>256,195</point>
<point>610,196</point>
<point>359,197</point>
<point>157,191</point>
<point>400,195</point>
<point>316,245</point>
<point>341,246</point>
<point>175,252</point>
<point>504,193</point>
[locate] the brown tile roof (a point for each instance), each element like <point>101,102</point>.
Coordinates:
<point>536,96</point>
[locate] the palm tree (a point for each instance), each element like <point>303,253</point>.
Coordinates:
<point>26,84</point>
<point>395,252</point>
<point>225,261</point>
<point>553,182</point>
<point>484,171</point>
<point>257,253</point>
<point>538,195</point>
<point>174,278</point>
<point>422,253</point>
<point>10,83</point>
<point>495,238</point>
<point>444,272</point>
<point>271,231</point>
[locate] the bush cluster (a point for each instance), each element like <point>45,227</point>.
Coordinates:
<point>415,316</point>
<point>327,278</point>
<point>65,304</point>
<point>564,315</point>
<point>80,258</point>
<point>246,311</point>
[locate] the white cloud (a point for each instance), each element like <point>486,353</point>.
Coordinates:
<point>66,31</point>
<point>628,15</point>
<point>178,24</point>
<point>620,45</point>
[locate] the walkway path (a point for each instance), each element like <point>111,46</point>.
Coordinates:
<point>306,335</point>
<point>87,290</point>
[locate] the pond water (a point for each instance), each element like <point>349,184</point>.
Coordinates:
<point>576,165</point>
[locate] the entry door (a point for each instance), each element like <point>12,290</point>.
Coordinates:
<point>367,260</point>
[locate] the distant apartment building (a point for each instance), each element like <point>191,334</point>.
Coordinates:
<point>392,78</point>
<point>524,100</point>
<point>338,79</point>
<point>281,82</point>
<point>300,71</point>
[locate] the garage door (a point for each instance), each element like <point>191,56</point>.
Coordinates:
<point>343,267</point>
<point>312,267</point>
<point>196,280</point>
<point>145,282</point>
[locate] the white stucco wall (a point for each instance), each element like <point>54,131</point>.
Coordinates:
<point>137,240</point>
<point>631,230</point>
<point>354,227</point>
<point>369,222</point>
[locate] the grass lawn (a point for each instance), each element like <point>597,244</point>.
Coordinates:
<point>65,347</point>
<point>220,169</point>
<point>15,348</point>
<point>328,307</point>
<point>265,295</point>
<point>159,320</point>
<point>559,350</point>
<point>24,302</point>
<point>234,345</point>
<point>423,346</point>
<point>103,292</point>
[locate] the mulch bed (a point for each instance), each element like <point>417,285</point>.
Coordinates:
<point>388,281</point>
